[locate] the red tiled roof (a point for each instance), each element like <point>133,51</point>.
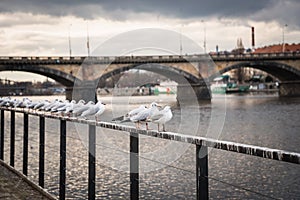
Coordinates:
<point>278,48</point>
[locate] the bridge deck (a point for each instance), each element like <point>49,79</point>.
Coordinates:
<point>14,185</point>
<point>147,59</point>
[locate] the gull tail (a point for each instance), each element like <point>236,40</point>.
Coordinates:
<point>118,118</point>
<point>125,120</point>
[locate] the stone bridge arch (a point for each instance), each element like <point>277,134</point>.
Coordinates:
<point>184,79</point>
<point>63,78</point>
<point>170,72</point>
<point>282,71</point>
<point>288,75</point>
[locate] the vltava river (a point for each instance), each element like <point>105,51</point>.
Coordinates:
<point>167,169</point>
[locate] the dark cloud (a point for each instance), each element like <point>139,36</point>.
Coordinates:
<point>188,8</point>
<point>23,19</point>
<point>122,9</point>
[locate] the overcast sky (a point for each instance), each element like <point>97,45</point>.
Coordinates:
<point>42,28</point>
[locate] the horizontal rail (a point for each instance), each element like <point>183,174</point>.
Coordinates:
<point>264,152</point>
<point>154,58</point>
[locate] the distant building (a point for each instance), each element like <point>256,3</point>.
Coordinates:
<point>278,48</point>
<point>239,49</point>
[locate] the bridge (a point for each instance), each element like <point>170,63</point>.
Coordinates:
<point>82,75</point>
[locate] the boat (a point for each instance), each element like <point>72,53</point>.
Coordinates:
<point>166,87</point>
<point>224,84</point>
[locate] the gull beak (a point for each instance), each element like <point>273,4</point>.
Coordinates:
<point>159,106</point>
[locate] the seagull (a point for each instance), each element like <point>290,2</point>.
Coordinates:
<point>5,101</point>
<point>10,102</point>
<point>79,110</point>
<point>162,117</point>
<point>32,104</point>
<point>51,105</point>
<point>126,118</point>
<point>22,103</point>
<point>74,106</point>
<point>95,110</point>
<point>144,115</point>
<point>59,105</point>
<point>66,108</point>
<point>41,104</point>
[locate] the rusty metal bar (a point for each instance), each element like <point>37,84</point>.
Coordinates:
<point>25,144</point>
<point>2,136</point>
<point>134,166</point>
<point>62,166</point>
<point>42,152</point>
<point>92,162</point>
<point>12,138</point>
<point>202,172</point>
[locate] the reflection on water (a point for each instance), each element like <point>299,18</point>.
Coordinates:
<point>263,120</point>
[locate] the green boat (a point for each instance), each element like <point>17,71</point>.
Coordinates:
<point>224,84</point>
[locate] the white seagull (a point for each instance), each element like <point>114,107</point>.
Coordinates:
<point>59,105</point>
<point>68,106</point>
<point>79,110</point>
<point>22,103</point>
<point>73,106</point>
<point>162,117</point>
<point>6,101</point>
<point>51,105</point>
<point>126,118</point>
<point>95,110</point>
<point>41,104</point>
<point>144,115</point>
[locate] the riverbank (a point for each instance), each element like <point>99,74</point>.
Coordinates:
<point>14,185</point>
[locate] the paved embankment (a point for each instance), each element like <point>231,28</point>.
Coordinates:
<point>14,185</point>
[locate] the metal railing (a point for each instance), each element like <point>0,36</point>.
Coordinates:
<point>202,143</point>
<point>154,58</point>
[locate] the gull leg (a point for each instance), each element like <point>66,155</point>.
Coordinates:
<point>164,130</point>
<point>158,127</point>
<point>147,128</point>
<point>137,125</point>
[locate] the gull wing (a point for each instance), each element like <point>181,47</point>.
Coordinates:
<point>157,116</point>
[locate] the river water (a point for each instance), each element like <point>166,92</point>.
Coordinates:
<point>167,169</point>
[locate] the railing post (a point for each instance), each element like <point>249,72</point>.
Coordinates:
<point>12,138</point>
<point>25,144</point>
<point>2,136</point>
<point>63,149</point>
<point>202,172</point>
<point>42,152</point>
<point>134,166</point>
<point>92,162</point>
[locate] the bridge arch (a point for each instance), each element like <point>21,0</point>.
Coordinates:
<point>176,74</point>
<point>279,70</point>
<point>65,79</point>
<point>190,87</point>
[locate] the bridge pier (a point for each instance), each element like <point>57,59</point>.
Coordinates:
<point>289,89</point>
<point>69,91</point>
<point>187,93</point>
<point>85,90</point>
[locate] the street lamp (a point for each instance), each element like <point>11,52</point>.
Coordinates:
<point>70,49</point>
<point>204,37</point>
<point>87,38</point>
<point>180,40</point>
<point>283,43</point>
